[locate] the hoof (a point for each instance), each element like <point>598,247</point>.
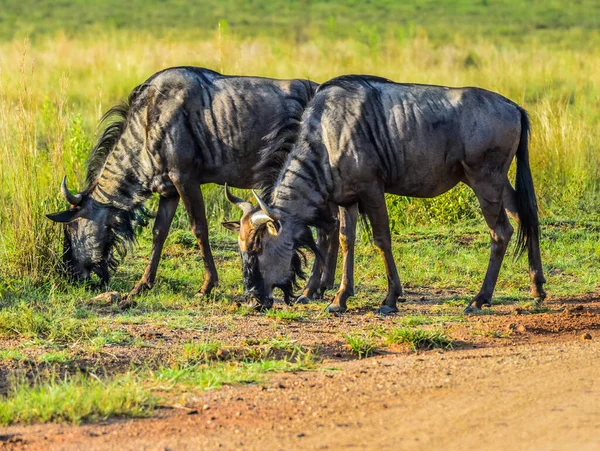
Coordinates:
<point>335,308</point>
<point>301,300</point>
<point>386,310</point>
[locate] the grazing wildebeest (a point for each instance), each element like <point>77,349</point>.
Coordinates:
<point>364,136</point>
<point>183,127</point>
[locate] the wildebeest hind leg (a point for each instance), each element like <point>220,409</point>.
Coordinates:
<point>348,217</point>
<point>194,204</point>
<point>166,210</point>
<point>536,272</point>
<point>376,210</point>
<point>490,198</point>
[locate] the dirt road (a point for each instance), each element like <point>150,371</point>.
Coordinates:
<point>527,397</point>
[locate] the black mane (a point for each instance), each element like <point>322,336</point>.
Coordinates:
<point>122,233</point>
<point>113,123</point>
<point>278,144</point>
<point>123,223</point>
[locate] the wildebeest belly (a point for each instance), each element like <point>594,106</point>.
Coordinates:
<point>427,165</point>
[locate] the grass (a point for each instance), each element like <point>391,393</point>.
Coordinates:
<point>303,20</point>
<point>360,345</point>
<point>285,315</point>
<point>87,398</point>
<point>75,399</point>
<point>420,320</point>
<point>208,377</point>
<point>419,339</point>
<point>199,352</point>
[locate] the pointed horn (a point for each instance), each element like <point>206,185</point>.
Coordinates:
<point>73,199</point>
<point>244,205</point>
<point>265,208</point>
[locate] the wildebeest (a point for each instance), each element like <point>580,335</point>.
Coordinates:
<point>364,136</point>
<point>183,127</point>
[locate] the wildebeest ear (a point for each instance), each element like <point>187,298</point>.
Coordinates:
<point>273,227</point>
<point>65,216</point>
<point>234,226</point>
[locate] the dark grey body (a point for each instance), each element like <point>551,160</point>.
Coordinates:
<point>362,137</point>
<point>182,128</point>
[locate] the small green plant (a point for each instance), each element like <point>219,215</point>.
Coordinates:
<point>360,345</point>
<point>11,354</point>
<point>285,315</point>
<point>54,357</point>
<point>419,338</point>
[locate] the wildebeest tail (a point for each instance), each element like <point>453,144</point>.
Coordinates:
<point>527,209</point>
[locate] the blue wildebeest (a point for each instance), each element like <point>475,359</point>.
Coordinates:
<point>183,127</point>
<point>362,137</point>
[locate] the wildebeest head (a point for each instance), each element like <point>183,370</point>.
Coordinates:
<point>88,237</point>
<point>270,245</point>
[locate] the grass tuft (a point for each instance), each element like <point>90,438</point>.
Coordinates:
<point>360,345</point>
<point>419,339</point>
<point>285,315</point>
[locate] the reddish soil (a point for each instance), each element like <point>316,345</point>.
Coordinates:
<point>514,381</point>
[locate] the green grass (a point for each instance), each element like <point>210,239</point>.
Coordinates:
<point>419,339</point>
<point>87,398</point>
<point>360,345</point>
<point>441,21</point>
<point>285,315</point>
<point>208,377</point>
<point>11,355</point>
<point>61,357</point>
<point>199,352</point>
<point>75,399</point>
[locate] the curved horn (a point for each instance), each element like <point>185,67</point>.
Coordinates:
<point>73,199</point>
<point>259,218</point>
<point>265,208</point>
<point>244,205</point>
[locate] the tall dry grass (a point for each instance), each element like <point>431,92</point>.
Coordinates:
<point>52,95</point>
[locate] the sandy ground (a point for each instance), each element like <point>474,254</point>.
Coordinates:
<point>528,397</point>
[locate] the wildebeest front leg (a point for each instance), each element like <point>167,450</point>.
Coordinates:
<point>166,211</point>
<point>312,286</point>
<point>536,272</point>
<point>323,275</point>
<point>491,201</point>
<point>194,204</point>
<point>348,217</point>
<point>333,247</point>
<point>376,210</point>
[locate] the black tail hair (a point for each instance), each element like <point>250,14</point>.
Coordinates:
<point>529,227</point>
